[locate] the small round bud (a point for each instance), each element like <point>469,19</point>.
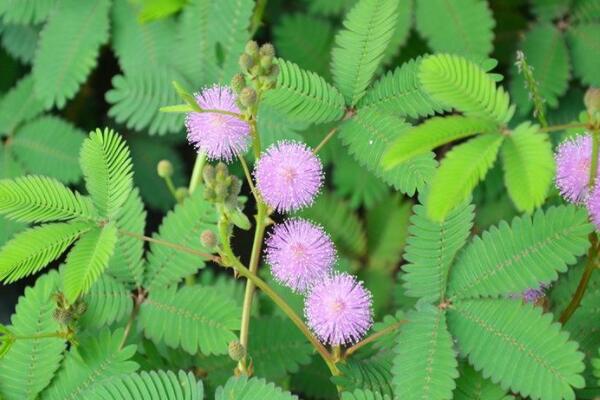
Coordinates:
<point>221,171</point>
<point>181,193</point>
<point>248,97</point>
<point>208,239</point>
<point>268,50</point>
<point>266,62</point>
<point>164,169</point>
<point>238,82</point>
<point>246,62</point>
<point>208,174</point>
<point>236,350</point>
<point>251,48</point>
<point>592,100</point>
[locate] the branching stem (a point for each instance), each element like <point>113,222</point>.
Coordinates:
<point>373,337</point>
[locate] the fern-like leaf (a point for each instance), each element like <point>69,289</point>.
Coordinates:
<point>97,358</point>
<point>30,364</point>
<point>62,64</point>
<point>356,183</point>
<point>30,251</point>
<point>50,146</point>
<point>19,105</point>
<point>511,259</point>
<point>583,41</point>
<point>464,166</point>
<point>360,46</point>
<point>183,225</point>
<point>463,27</point>
<point>304,96</point>
<point>194,318</point>
<point>528,164</point>
<point>464,85</point>
<point>431,249</point>
<point>472,386</point>
<point>546,51</point>
<point>373,373</point>
<point>360,394</point>
<point>494,333</point>
<point>107,301</point>
<point>107,168</point>
<point>8,229</point>
<point>433,133</point>
<point>20,41</point>
<point>153,385</point>
<point>243,388</point>
<point>88,260</point>
<point>400,93</point>
<point>369,135</point>
<point>40,199</point>
<point>425,365</point>
<point>26,12</point>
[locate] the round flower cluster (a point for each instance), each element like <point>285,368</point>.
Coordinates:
<point>573,164</point>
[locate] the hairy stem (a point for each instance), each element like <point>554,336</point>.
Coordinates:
<point>197,172</point>
<point>373,337</point>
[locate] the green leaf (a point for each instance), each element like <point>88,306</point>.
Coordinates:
<point>20,41</point>
<point>546,51</point>
<point>434,133</point>
<point>127,263</point>
<point>304,96</point>
<point>464,166</point>
<point>550,9</point>
<point>586,11</point>
<point>88,260</point>
<point>26,12</point>
<point>8,229</point>
<point>400,93</point>
<point>528,163</point>
<point>277,347</point>
<point>502,338</point>
<point>431,249</point>
<point>194,318</point>
<point>360,394</point>
<point>511,259</point>
<point>29,365</point>
<point>425,362</point>
<point>369,134</point>
<point>313,381</point>
<point>401,32</point>
<point>583,41</point>
<point>183,225</point>
<point>242,388</point>
<point>50,146</point>
<point>356,183</point>
<point>387,231</point>
<point>62,64</point>
<point>305,40</point>
<point>107,301</point>
<point>472,386</point>
<point>107,168</point>
<point>273,126</point>
<point>464,85</point>
<point>159,9</point>
<point>30,251</point>
<point>361,45</point>
<point>97,358</point>
<point>153,385</point>
<point>462,27</point>
<point>39,199</point>
<point>19,105</point>
<point>9,167</point>
<point>373,373</point>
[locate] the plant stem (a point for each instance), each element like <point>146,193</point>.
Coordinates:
<point>256,20</point>
<point>197,172</point>
<point>171,186</point>
<point>554,128</point>
<point>594,166</point>
<point>136,308</point>
<point>326,139</point>
<point>373,337</point>
<point>249,177</point>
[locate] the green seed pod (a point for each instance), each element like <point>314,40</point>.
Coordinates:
<point>238,82</point>
<point>246,62</point>
<point>251,48</point>
<point>248,97</point>
<point>208,174</point>
<point>164,168</point>
<point>236,350</point>
<point>267,50</point>
<point>208,239</point>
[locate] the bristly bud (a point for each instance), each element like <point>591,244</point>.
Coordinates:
<point>267,50</point>
<point>266,62</point>
<point>248,97</point>
<point>181,193</point>
<point>164,169</point>
<point>251,48</point>
<point>208,174</point>
<point>238,83</point>
<point>235,186</point>
<point>221,171</point>
<point>236,350</point>
<point>246,62</point>
<point>221,191</point>
<point>274,72</point>
<point>208,239</point>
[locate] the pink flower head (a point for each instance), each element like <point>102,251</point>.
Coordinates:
<point>338,310</point>
<point>534,294</point>
<point>220,136</point>
<point>300,254</point>
<point>573,163</point>
<point>288,175</point>
<point>593,205</point>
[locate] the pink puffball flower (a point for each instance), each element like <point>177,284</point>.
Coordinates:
<point>593,205</point>
<point>300,254</point>
<point>288,176</point>
<point>534,294</point>
<point>220,136</point>
<point>338,310</point>
<point>573,163</point>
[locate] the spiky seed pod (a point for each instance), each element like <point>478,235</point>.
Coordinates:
<point>235,186</point>
<point>62,316</point>
<point>221,171</point>
<point>221,191</point>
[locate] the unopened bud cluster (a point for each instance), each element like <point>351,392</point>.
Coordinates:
<point>220,186</point>
<point>67,314</point>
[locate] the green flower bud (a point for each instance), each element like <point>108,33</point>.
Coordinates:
<point>208,174</point>
<point>246,62</point>
<point>274,73</point>
<point>268,50</point>
<point>164,169</point>
<point>221,171</point>
<point>266,62</point>
<point>251,48</point>
<point>221,191</point>
<point>238,82</point>
<point>181,193</point>
<point>248,97</point>
<point>236,350</point>
<point>208,239</point>
<point>209,194</point>
<point>235,186</point>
